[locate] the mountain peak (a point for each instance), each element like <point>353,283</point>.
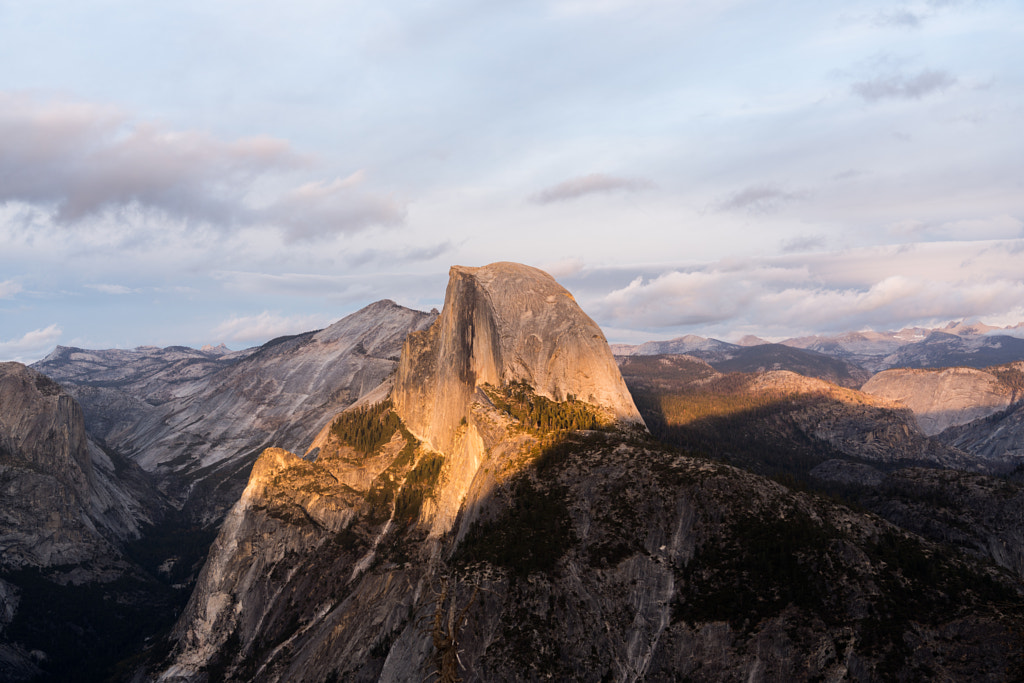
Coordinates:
<point>505,323</point>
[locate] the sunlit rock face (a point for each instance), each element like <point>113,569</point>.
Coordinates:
<point>500,324</point>
<point>942,398</point>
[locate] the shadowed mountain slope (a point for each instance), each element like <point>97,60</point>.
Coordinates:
<point>72,598</point>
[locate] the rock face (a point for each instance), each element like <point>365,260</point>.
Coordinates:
<point>982,514</point>
<point>198,419</point>
<point>571,554</point>
<point>778,422</point>
<point>68,508</point>
<point>501,324</point>
<point>62,502</point>
<point>942,398</point>
<point>997,438</point>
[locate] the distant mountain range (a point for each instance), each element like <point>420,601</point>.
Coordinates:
<point>957,344</point>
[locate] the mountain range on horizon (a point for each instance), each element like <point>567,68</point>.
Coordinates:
<point>956,343</point>
<point>488,493</point>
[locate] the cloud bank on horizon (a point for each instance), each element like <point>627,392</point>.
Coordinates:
<point>229,171</point>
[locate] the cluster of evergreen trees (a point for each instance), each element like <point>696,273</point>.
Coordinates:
<point>367,429</point>
<point>540,414</point>
<point>418,485</point>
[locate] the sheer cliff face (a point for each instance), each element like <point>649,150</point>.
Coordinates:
<point>60,498</point>
<point>504,323</point>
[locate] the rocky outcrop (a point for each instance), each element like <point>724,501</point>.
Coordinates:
<point>501,324</point>
<point>997,438</point>
<point>942,398</point>
<point>69,510</point>
<point>197,419</point>
<point>62,500</point>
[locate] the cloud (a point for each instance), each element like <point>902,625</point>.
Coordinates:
<point>879,288</point>
<point>406,255</point>
<point>84,159</point>
<point>803,243</point>
<point>901,86</point>
<point>113,289</point>
<point>759,199</point>
<point>31,346</point>
<point>264,326</point>
<point>595,183</point>
<point>900,18</point>
<point>78,160</point>
<point>321,209</point>
<point>8,288</point>
<point>566,267</point>
<point>1002,226</point>
<point>679,298</point>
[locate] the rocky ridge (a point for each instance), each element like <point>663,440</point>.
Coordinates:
<point>956,344</point>
<point>198,419</point>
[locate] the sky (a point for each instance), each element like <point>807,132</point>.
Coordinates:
<point>229,171</point>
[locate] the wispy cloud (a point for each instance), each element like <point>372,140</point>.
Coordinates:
<point>903,86</point>
<point>8,288</point>
<point>405,255</point>
<point>113,289</point>
<point>786,296</point>
<point>594,183</point>
<point>264,326</point>
<point>998,227</point>
<point>321,209</point>
<point>30,346</point>
<point>803,243</point>
<point>759,199</point>
<point>900,17</point>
